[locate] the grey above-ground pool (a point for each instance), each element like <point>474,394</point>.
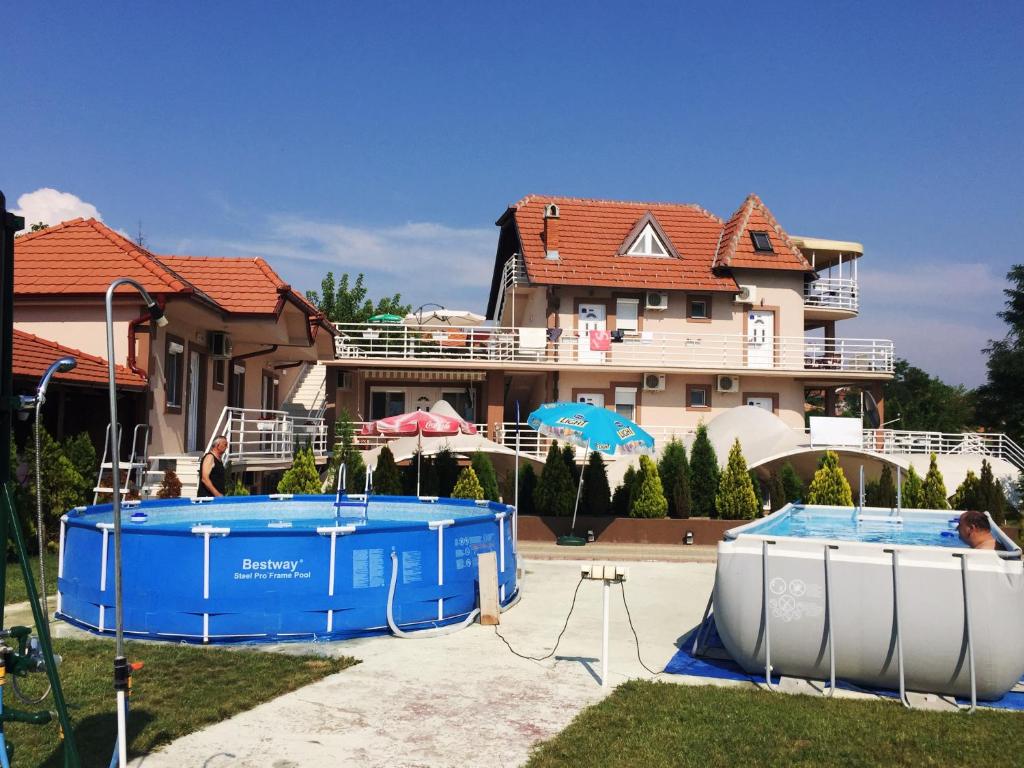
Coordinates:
<point>873,596</point>
<point>272,568</point>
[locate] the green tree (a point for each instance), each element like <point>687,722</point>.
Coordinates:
<point>569,455</point>
<point>555,493</point>
<point>872,493</point>
<point>993,500</point>
<point>237,487</point>
<point>674,470</point>
<point>736,499</point>
<point>623,493</point>
<point>934,494</point>
<point>468,485</point>
<point>829,486</point>
<point>485,473</point>
<point>704,474</point>
<point>386,479</point>
<point>913,490</point>
<point>886,494</point>
<point>527,486</point>
<point>968,494</point>
<point>648,497</point>
<point>1000,405</point>
<point>342,303</point>
<point>776,491</point>
<point>345,452</point>
<point>924,402</point>
<point>758,490</point>
<point>446,472</point>
<point>82,454</point>
<point>792,484</point>
<point>595,496</point>
<point>63,487</point>
<point>302,476</point>
<point>424,467</point>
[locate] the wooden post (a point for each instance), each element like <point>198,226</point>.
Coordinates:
<point>487,568</point>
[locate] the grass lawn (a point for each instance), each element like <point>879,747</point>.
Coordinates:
<point>16,592</point>
<point>180,689</point>
<point>665,724</point>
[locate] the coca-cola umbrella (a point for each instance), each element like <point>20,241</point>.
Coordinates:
<point>440,421</point>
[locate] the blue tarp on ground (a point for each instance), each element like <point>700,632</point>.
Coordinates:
<point>724,668</point>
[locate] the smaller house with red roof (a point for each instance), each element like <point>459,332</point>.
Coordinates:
<point>238,348</point>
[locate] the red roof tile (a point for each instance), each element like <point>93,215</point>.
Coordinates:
<point>32,355</point>
<point>243,285</point>
<point>736,248</point>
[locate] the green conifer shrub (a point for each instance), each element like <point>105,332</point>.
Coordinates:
<point>82,454</point>
<point>595,496</point>
<point>302,476</point>
<point>575,471</point>
<point>527,487</point>
<point>736,499</point>
<point>485,473</point>
<point>912,496</point>
<point>830,486</point>
<point>555,494</point>
<point>468,485</point>
<point>623,493</point>
<point>446,472</point>
<point>758,491</point>
<point>933,494</point>
<point>886,495</point>
<point>704,474</point>
<point>63,487</point>
<point>776,491</point>
<point>992,497</point>
<point>872,493</point>
<point>674,470</point>
<point>236,487</point>
<point>386,479</point>
<point>793,485</point>
<point>345,452</point>
<point>648,496</point>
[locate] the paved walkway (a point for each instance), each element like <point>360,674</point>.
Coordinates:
<point>662,553</point>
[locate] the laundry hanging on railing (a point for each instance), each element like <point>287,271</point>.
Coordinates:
<point>554,334</point>
<point>600,341</point>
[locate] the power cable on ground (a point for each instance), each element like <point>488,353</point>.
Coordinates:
<point>622,584</point>
<point>557,640</point>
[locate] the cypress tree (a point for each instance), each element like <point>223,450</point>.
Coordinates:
<point>704,474</point>
<point>758,492</point>
<point>468,485</point>
<point>386,480</point>
<point>872,493</point>
<point>555,493</point>
<point>776,492</point>
<point>674,470</point>
<point>623,492</point>
<point>913,490</point>
<point>933,494</point>
<point>485,473</point>
<point>993,500</point>
<point>569,454</point>
<point>829,486</point>
<point>446,472</point>
<point>527,486</point>
<point>302,476</point>
<point>792,484</point>
<point>968,494</point>
<point>736,499</point>
<point>82,455</point>
<point>345,452</point>
<point>596,494</point>
<point>648,496</point>
<point>886,489</point>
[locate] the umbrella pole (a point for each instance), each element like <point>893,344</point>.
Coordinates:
<point>515,493</point>
<point>579,490</point>
<point>419,459</point>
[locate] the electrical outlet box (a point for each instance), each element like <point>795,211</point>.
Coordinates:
<point>604,572</point>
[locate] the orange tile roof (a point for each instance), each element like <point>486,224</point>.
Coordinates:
<point>736,248</point>
<point>32,355</point>
<point>243,285</point>
<point>591,232</point>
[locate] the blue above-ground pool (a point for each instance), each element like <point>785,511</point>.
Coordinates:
<point>273,568</point>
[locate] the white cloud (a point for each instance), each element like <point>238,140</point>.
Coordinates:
<point>51,206</point>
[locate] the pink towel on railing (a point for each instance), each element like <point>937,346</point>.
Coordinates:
<point>600,341</point>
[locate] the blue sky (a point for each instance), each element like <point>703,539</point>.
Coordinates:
<point>388,137</point>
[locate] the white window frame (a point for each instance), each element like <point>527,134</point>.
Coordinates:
<point>630,326</point>
<point>642,246</point>
<point>625,397</point>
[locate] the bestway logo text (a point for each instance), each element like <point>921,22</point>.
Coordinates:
<point>269,565</point>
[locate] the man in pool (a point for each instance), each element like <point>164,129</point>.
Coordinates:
<point>975,532</point>
<point>212,478</point>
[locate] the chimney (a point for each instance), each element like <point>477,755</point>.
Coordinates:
<point>551,231</point>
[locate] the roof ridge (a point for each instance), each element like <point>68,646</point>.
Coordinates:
<point>779,230</point>
<point>725,258</point>
<point>51,229</point>
<point>271,274</point>
<point>605,201</point>
<point>143,257</point>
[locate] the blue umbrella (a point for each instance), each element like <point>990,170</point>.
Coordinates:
<point>593,428</point>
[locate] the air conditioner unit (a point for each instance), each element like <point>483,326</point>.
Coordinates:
<point>219,344</point>
<point>657,300</point>
<point>728,383</point>
<point>747,294</point>
<point>654,382</point>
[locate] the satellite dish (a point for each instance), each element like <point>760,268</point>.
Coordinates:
<point>870,415</point>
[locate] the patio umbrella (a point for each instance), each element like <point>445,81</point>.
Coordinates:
<point>593,428</point>
<point>385,318</point>
<point>440,421</point>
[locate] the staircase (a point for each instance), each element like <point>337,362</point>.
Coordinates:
<point>308,395</point>
<point>185,466</point>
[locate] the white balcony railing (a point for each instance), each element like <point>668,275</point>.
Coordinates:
<point>832,293</point>
<point>650,350</point>
<point>255,435</point>
<point>369,442</point>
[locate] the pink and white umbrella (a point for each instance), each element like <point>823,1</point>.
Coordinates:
<point>419,423</point>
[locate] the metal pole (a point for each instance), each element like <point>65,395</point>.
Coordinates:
<point>604,637</point>
<point>579,490</point>
<point>515,493</point>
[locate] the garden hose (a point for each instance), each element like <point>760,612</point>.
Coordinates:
<point>40,526</point>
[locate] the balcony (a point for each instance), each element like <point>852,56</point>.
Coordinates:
<point>260,439</point>
<point>499,348</point>
<point>831,297</point>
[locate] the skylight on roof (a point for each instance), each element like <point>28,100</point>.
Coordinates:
<point>762,242</point>
<point>648,243</point>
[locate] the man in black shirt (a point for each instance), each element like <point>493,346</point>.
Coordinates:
<point>212,478</point>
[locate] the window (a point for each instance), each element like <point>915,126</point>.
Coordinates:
<point>344,380</point>
<point>698,307</point>
<point>174,367</point>
<point>461,400</point>
<point>698,396</point>
<point>218,374</point>
<point>625,402</point>
<point>627,312</point>
<point>236,389</point>
<point>384,403</point>
<point>762,243</point>
<point>648,243</point>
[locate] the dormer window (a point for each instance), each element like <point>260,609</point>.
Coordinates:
<point>762,243</point>
<point>648,244</point>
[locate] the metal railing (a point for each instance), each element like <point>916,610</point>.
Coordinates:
<point>832,293</point>
<point>369,442</point>
<point>513,273</point>
<point>257,435</point>
<point>648,350</point>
